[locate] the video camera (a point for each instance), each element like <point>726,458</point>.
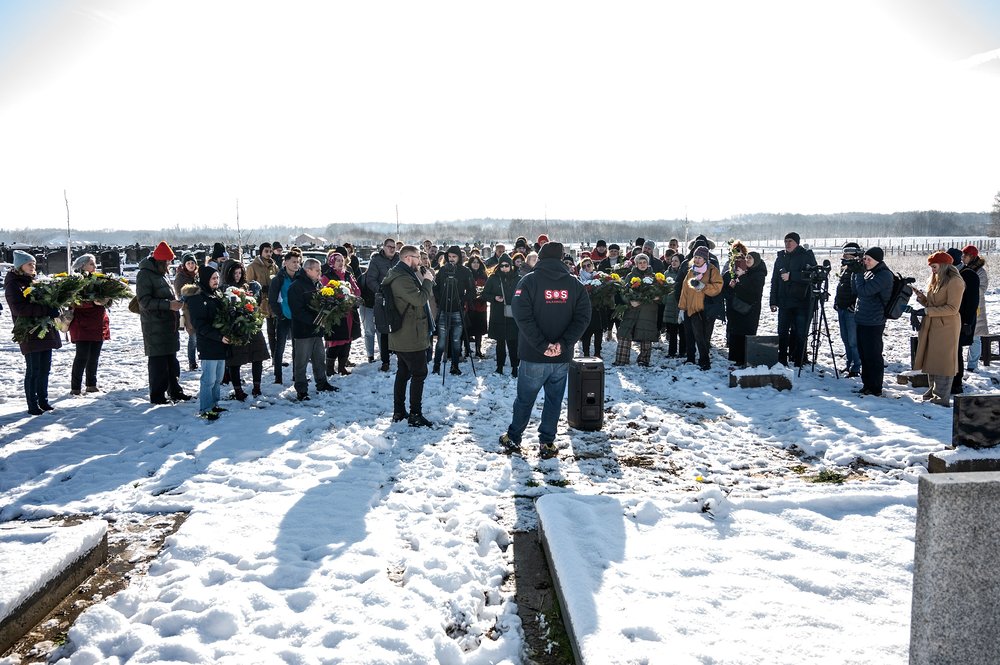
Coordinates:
<point>817,274</point>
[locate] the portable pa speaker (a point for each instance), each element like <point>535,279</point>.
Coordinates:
<point>585,406</point>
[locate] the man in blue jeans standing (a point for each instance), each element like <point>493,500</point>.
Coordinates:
<point>845,302</point>
<point>552,310</point>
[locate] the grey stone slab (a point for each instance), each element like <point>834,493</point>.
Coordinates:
<point>936,464</point>
<point>955,614</point>
<point>762,350</point>
<point>777,381</point>
<point>975,421</point>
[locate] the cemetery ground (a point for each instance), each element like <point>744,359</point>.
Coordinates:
<point>322,532</point>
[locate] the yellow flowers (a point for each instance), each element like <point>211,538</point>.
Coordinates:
<point>660,277</point>
<point>334,284</point>
<point>615,276</point>
<point>27,291</point>
<point>60,274</point>
<point>699,479</point>
<point>327,291</point>
<point>635,281</point>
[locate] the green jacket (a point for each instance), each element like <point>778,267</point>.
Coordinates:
<point>411,296</point>
<point>159,323</point>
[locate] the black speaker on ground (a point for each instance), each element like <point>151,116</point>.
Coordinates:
<point>585,407</point>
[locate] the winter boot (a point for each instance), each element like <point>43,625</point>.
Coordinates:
<point>331,363</point>
<point>437,367</point>
<point>455,370</point>
<point>942,390</point>
<point>256,390</point>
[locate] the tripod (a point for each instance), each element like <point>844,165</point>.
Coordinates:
<point>818,326</point>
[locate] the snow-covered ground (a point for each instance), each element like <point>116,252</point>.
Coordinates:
<point>320,532</point>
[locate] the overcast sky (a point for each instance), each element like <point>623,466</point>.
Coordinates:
<point>156,114</point>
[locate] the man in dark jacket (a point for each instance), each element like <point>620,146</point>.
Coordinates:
<point>453,290</point>
<point>277,298</point>
<point>790,290</point>
<point>378,267</point>
<point>845,301</point>
<point>874,289</point>
<point>552,310</point>
<point>968,311</point>
<point>613,261</point>
<point>307,338</point>
<point>411,285</point>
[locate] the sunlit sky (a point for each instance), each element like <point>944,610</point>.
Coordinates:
<point>156,114</point>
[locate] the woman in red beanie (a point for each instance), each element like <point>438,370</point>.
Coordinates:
<point>160,320</point>
<point>937,344</point>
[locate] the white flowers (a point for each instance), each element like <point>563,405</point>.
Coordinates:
<point>647,280</point>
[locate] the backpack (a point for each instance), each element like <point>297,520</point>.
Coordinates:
<point>900,296</point>
<point>388,319</point>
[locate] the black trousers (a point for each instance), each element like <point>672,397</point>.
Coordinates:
<point>872,363</point>
<point>87,356</point>
<point>163,374</point>
<point>383,347</point>
<point>505,347</point>
<point>256,372</point>
<point>674,330</point>
<point>37,366</point>
<point>700,329</point>
<point>738,349</point>
<point>411,367</point>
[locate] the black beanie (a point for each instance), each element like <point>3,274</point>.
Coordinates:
<point>956,255</point>
<point>204,275</point>
<point>794,236</point>
<point>551,250</point>
<point>876,253</point>
<point>218,250</point>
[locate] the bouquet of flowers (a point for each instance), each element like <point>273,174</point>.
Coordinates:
<point>602,288</point>
<point>644,290</point>
<point>54,292</point>
<point>331,304</point>
<point>105,288</point>
<point>238,317</point>
<point>737,256</point>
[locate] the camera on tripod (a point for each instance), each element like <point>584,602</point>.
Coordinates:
<point>817,274</point>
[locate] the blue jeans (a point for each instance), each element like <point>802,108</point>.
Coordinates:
<point>192,350</point>
<point>449,324</point>
<point>282,335</point>
<point>37,366</point>
<point>368,324</point>
<point>975,352</point>
<point>210,389</point>
<point>849,336</point>
<point>531,378</point>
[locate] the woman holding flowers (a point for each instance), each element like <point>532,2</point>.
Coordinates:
<point>204,301</point>
<point>498,291</point>
<point>338,340</point>
<point>89,329</point>
<point>674,330</point>
<point>601,288</point>
<point>252,353</point>
<point>639,299</point>
<point>476,315</point>
<point>698,305</point>
<point>744,288</point>
<point>37,350</point>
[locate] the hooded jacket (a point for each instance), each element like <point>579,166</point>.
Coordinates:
<point>159,322</point>
<point>410,295</point>
<point>203,305</point>
<point>978,265</point>
<point>874,289</point>
<point>550,305</point>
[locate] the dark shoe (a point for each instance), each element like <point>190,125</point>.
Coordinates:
<point>277,380</point>
<point>499,370</point>
<point>93,389</point>
<point>418,420</point>
<point>159,400</point>
<point>75,391</point>
<point>180,397</point>
<point>239,395</point>
<point>547,450</point>
<point>331,366</point>
<point>256,390</point>
<point>642,363</point>
<point>479,354</point>
<point>348,363</point>
<point>437,368</point>
<point>399,416</point>
<point>618,364</point>
<point>704,367</point>
<point>302,397</point>
<point>45,406</point>
<point>326,388</point>
<point>371,359</point>
<point>209,415</point>
<point>284,364</point>
<point>192,366</point>
<point>218,409</point>
<point>513,372</point>
<point>508,445</point>
<point>35,411</point>
<point>384,367</point>
<point>343,371</point>
<point>455,370</point>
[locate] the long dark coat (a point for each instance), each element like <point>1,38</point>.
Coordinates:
<point>14,285</point>
<point>256,350</point>
<point>203,307</point>
<point>349,328</point>
<point>749,289</point>
<point>159,323</point>
<point>639,323</point>
<point>501,327</point>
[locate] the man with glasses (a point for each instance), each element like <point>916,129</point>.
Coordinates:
<point>277,298</point>
<point>790,287</point>
<point>378,268</point>
<point>411,285</point>
<point>261,270</point>
<point>498,251</point>
<point>307,338</point>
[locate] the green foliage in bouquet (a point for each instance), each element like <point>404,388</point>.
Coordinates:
<point>56,292</point>
<point>643,290</point>
<point>107,288</point>
<point>331,304</point>
<point>239,318</point>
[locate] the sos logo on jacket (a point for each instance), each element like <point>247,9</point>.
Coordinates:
<point>556,296</point>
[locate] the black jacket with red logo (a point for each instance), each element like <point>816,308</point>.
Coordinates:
<point>550,305</point>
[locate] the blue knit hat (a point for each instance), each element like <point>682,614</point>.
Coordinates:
<point>20,258</point>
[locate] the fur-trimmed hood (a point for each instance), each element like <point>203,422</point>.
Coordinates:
<point>977,263</point>
<point>189,290</point>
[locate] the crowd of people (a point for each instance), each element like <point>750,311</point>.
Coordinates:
<point>531,300</point>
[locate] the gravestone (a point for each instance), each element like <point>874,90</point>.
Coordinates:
<point>762,350</point>
<point>56,263</point>
<point>955,614</point>
<point>111,261</point>
<point>975,425</point>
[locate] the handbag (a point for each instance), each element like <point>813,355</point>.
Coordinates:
<point>740,306</point>
<point>63,321</point>
<point>133,305</point>
<point>508,310</point>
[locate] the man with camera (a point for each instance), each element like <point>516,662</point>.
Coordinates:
<point>453,289</point>
<point>791,284</point>
<point>874,289</point>
<point>845,303</point>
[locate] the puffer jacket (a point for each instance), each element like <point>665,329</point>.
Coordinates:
<point>639,323</point>
<point>978,265</point>
<point>15,282</point>
<point>160,324</point>
<point>874,289</point>
<point>695,300</point>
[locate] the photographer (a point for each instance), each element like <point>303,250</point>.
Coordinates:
<point>453,289</point>
<point>845,301</point>
<point>790,290</point>
<point>874,289</point>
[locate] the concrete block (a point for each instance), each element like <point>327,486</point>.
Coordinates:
<point>955,614</point>
<point>777,381</point>
<point>975,421</point>
<point>762,350</point>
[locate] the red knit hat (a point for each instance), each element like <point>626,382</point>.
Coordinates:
<point>163,252</point>
<point>542,239</point>
<point>940,257</point>
<point>971,250</point>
